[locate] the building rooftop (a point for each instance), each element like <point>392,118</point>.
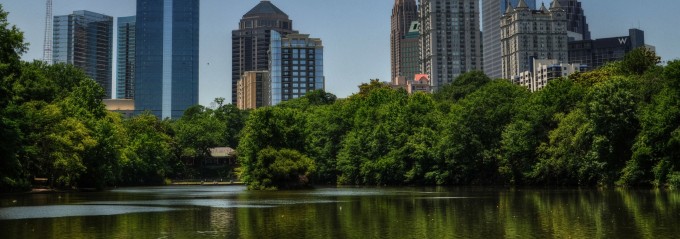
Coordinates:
<point>265,7</point>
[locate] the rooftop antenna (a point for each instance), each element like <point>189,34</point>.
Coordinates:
<point>47,45</point>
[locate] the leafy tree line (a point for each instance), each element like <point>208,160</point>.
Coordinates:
<point>614,126</point>
<point>617,125</point>
<point>54,125</point>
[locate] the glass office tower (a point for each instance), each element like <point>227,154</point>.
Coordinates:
<point>85,39</point>
<point>295,66</point>
<point>125,82</point>
<point>166,57</point>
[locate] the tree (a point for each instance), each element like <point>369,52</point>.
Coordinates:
<point>280,169</point>
<point>147,157</point>
<point>639,60</point>
<point>470,146</point>
<point>531,126</point>
<point>462,86</point>
<point>11,49</point>
<point>269,127</point>
<point>12,46</point>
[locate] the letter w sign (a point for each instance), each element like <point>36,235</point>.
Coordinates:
<point>622,41</point>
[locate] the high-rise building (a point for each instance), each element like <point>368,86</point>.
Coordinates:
<point>166,56</point>
<point>295,66</point>
<point>528,35</point>
<point>404,13</point>
<point>250,43</point>
<point>544,71</point>
<point>597,52</point>
<point>491,21</point>
<point>409,52</point>
<point>85,39</point>
<point>253,90</point>
<point>125,82</point>
<point>577,25</point>
<point>450,39</point>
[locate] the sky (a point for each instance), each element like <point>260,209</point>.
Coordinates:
<point>355,33</point>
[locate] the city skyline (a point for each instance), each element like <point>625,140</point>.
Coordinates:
<point>337,24</point>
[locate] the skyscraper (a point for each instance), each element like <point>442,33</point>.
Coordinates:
<point>492,11</point>
<point>576,19</point>
<point>250,43</point>
<point>296,66</point>
<point>125,82</point>
<point>450,39</point>
<point>409,52</point>
<point>528,34</point>
<point>85,39</point>
<point>404,13</point>
<point>166,57</point>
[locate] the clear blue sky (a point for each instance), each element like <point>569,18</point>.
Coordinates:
<point>355,33</point>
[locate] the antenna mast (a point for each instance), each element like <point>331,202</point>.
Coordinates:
<point>47,45</point>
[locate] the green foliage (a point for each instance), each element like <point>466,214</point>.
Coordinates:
<point>280,169</point>
<point>531,127</point>
<point>639,60</point>
<point>471,140</point>
<point>146,158</point>
<point>462,86</point>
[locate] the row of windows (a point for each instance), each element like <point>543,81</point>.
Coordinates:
<point>300,67</point>
<point>298,79</point>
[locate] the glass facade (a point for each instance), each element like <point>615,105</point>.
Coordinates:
<point>85,39</point>
<point>166,76</point>
<point>409,53</point>
<point>598,52</point>
<point>251,42</point>
<point>275,68</point>
<point>125,82</point>
<point>296,66</point>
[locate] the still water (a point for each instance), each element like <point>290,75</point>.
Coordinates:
<point>233,212</point>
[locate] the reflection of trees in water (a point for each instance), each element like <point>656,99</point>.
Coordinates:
<point>507,214</point>
<point>382,213</point>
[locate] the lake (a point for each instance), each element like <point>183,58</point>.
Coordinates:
<point>401,212</point>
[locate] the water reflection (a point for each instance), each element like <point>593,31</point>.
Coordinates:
<point>13,213</point>
<point>232,212</point>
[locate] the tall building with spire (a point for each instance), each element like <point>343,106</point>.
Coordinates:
<point>251,41</point>
<point>576,18</point>
<point>404,13</point>
<point>492,10</point>
<point>528,35</point>
<point>450,40</point>
<point>85,39</point>
<point>166,56</point>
